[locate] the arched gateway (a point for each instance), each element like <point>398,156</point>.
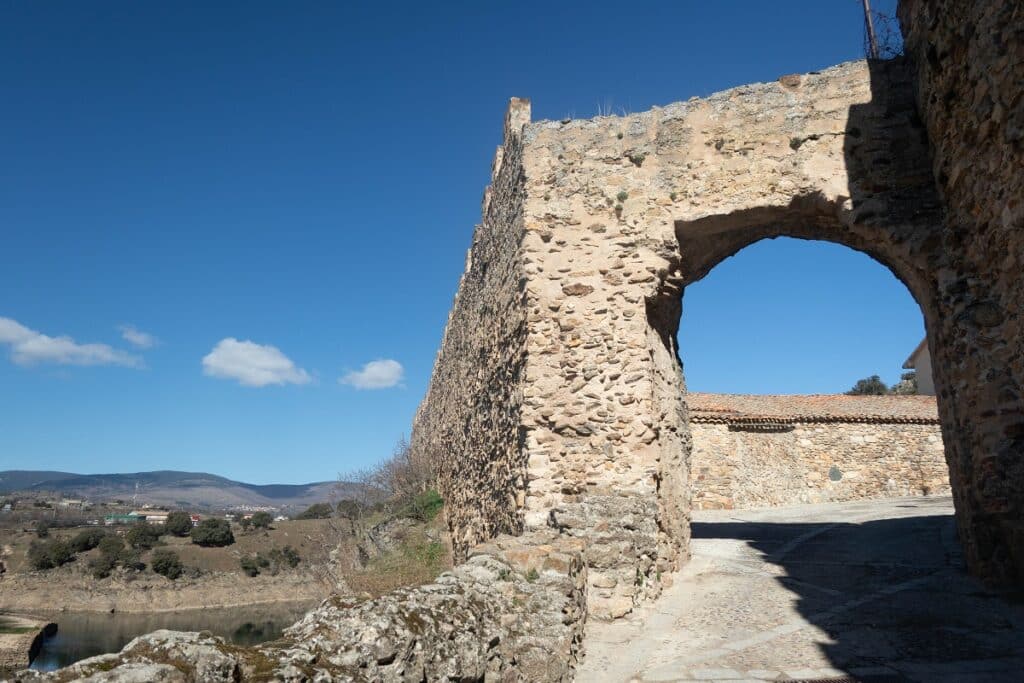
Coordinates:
<point>558,397</point>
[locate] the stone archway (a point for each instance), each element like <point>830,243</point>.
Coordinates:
<point>557,398</point>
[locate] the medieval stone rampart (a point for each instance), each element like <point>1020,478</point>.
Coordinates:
<point>558,397</point>
<point>969,61</point>
<point>469,423</point>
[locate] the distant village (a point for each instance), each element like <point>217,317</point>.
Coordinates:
<point>58,510</point>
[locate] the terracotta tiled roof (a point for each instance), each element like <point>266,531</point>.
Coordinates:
<point>787,409</point>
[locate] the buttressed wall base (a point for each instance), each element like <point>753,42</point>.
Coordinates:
<point>558,397</point>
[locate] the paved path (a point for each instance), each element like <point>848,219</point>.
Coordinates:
<point>874,590</point>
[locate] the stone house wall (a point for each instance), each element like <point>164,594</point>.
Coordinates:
<point>736,466</point>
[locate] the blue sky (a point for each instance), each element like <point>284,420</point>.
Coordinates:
<point>281,193</point>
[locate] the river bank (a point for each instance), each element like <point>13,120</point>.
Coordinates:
<point>50,592</point>
<point>86,634</point>
<point>20,640</point>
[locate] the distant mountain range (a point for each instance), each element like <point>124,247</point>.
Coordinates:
<point>178,489</point>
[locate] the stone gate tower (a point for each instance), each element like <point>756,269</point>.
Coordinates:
<point>558,397</point>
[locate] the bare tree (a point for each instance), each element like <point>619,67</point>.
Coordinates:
<point>882,37</point>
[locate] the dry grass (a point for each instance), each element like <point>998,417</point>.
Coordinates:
<point>417,561</point>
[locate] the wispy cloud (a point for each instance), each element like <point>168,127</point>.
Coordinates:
<point>137,338</point>
<point>377,374</point>
<point>251,364</point>
<point>29,347</point>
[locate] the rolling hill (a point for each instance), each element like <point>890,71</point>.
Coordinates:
<point>192,489</point>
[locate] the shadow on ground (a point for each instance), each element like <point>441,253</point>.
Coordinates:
<point>892,595</point>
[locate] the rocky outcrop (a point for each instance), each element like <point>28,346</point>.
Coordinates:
<point>19,647</point>
<point>514,611</point>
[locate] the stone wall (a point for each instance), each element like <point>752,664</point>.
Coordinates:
<point>969,61</point>
<point>558,398</point>
<point>623,212</point>
<point>469,422</point>
<point>742,467</point>
<point>558,395</point>
<point>764,451</point>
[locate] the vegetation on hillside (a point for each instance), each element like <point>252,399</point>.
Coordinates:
<point>316,511</point>
<point>143,536</point>
<point>167,563</point>
<point>49,553</point>
<point>213,532</point>
<point>260,520</point>
<point>87,540</point>
<point>274,562</point>
<point>178,523</point>
<point>395,524</point>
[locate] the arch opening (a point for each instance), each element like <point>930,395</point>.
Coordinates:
<point>772,341</point>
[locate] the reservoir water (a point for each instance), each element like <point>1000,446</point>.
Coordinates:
<point>86,634</point>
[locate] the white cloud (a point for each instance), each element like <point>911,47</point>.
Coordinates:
<point>377,374</point>
<point>137,338</point>
<point>29,347</point>
<point>253,365</point>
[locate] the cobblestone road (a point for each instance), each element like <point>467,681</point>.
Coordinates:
<point>874,590</point>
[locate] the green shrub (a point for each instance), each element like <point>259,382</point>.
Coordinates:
<point>249,565</point>
<point>113,553</point>
<point>49,554</point>
<point>278,559</point>
<point>262,520</point>
<point>102,566</point>
<point>130,558</point>
<point>252,564</point>
<point>178,523</point>
<point>291,556</point>
<point>143,536</point>
<point>213,533</point>
<point>43,530</point>
<point>166,563</point>
<point>87,540</point>
<point>425,506</point>
<point>869,386</point>
<point>110,546</point>
<point>316,511</point>
<point>350,509</point>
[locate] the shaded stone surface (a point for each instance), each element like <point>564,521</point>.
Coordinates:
<point>969,58</point>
